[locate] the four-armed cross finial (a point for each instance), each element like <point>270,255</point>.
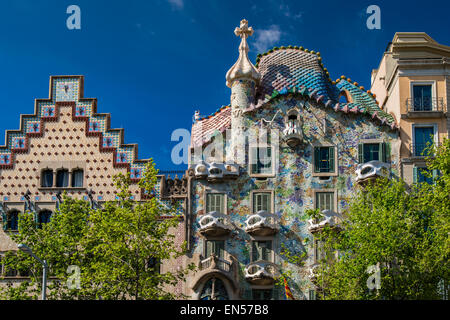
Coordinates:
<point>244,31</point>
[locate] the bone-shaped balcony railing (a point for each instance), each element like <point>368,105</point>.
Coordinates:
<point>372,169</point>
<point>215,220</point>
<point>261,270</point>
<point>262,220</point>
<point>215,171</point>
<point>327,218</point>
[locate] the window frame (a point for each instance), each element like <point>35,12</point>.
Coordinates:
<point>335,163</point>
<point>413,83</point>
<point>271,250</point>
<point>250,161</point>
<point>72,178</point>
<point>424,125</point>
<point>49,170</point>
<point>329,190</point>
<point>271,204</point>
<point>384,155</point>
<point>224,199</point>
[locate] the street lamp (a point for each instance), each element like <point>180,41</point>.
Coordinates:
<point>27,250</point>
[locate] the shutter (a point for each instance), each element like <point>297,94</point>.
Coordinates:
<point>254,160</point>
<point>316,159</point>
<point>5,221</point>
<point>331,157</point>
<point>435,175</point>
<point>36,219</point>
<point>360,153</point>
<point>382,152</point>
<point>415,175</point>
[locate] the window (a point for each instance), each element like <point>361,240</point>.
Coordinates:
<point>262,201</point>
<point>423,137</point>
<point>12,220</point>
<point>154,264</point>
<point>62,178</point>
<point>47,178</point>
<point>422,97</point>
<point>375,151</point>
<point>215,246</point>
<point>44,217</point>
<point>325,201</point>
<point>214,289</point>
<point>261,160</point>
<point>422,174</point>
<point>324,159</point>
<point>77,178</point>
<point>258,294</point>
<point>312,294</point>
<point>262,250</point>
<point>215,202</point>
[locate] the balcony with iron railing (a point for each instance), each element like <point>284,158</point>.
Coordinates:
<point>420,150</point>
<point>215,262</point>
<point>424,107</point>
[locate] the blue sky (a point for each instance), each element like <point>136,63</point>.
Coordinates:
<point>152,63</point>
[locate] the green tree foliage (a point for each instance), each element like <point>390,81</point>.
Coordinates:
<point>403,231</point>
<point>118,248</point>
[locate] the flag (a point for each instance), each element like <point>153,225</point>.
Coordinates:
<point>289,295</point>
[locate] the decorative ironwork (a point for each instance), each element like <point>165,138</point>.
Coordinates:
<point>424,104</point>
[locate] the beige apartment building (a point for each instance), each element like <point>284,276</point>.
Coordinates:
<point>412,83</point>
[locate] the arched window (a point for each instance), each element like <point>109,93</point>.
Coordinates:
<point>44,217</point>
<point>62,178</point>
<point>214,289</point>
<point>12,220</point>
<point>77,178</point>
<point>47,178</point>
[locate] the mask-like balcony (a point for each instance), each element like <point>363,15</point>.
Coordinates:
<point>215,224</point>
<point>371,170</point>
<point>215,172</point>
<point>261,272</point>
<point>292,133</point>
<point>312,273</point>
<point>327,218</point>
<point>262,224</point>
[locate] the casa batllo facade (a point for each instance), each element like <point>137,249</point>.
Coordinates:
<point>250,199</point>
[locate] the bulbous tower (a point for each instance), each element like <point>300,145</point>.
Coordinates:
<point>242,78</point>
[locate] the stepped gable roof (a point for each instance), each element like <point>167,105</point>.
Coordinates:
<point>204,129</point>
<point>67,91</point>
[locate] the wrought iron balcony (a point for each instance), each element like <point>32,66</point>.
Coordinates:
<point>261,272</point>
<point>371,170</point>
<point>421,150</point>
<point>427,104</point>
<point>215,224</point>
<point>312,273</point>
<point>328,218</point>
<point>262,223</point>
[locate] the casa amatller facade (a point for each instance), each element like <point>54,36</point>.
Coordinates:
<point>242,203</point>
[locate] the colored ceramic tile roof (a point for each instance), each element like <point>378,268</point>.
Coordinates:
<point>296,70</point>
<point>205,128</point>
